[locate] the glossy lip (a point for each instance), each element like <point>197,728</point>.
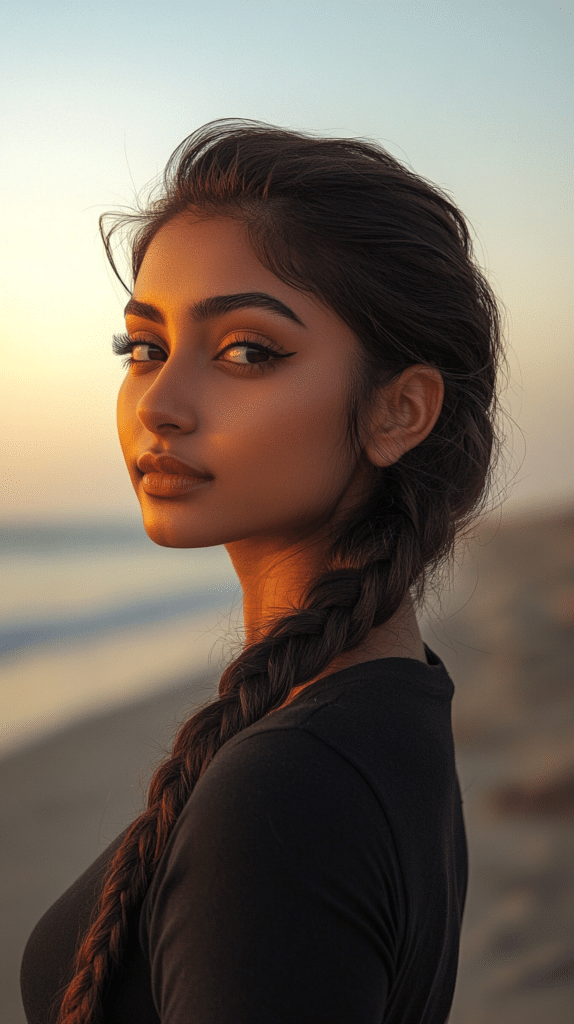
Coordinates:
<point>150,462</point>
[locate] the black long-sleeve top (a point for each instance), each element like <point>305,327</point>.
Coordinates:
<point>317,874</point>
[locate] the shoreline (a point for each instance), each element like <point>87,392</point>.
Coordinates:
<point>83,678</point>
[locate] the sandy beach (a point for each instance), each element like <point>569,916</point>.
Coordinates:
<point>508,641</point>
<point>507,637</point>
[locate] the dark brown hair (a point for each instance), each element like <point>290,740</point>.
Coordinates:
<point>391,254</point>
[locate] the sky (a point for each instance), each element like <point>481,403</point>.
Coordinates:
<point>476,96</point>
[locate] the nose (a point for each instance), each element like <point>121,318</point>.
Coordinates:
<point>168,405</point>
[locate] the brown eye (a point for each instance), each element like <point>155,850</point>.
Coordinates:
<point>144,352</point>
<point>244,353</point>
<point>250,354</point>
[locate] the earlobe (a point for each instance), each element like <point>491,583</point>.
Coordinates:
<point>408,410</point>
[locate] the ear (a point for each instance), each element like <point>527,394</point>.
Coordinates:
<point>405,414</point>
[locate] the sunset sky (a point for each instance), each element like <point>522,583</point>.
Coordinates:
<point>476,96</point>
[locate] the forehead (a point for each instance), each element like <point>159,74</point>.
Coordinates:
<point>191,258</point>
<point>200,257</point>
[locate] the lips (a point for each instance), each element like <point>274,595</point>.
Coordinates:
<point>149,462</point>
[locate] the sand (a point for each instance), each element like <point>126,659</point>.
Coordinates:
<point>509,645</point>
<point>508,640</point>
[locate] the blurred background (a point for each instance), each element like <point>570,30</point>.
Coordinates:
<point>107,641</point>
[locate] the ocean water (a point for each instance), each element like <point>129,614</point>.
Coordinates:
<point>93,615</point>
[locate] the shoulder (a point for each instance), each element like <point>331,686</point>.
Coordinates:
<point>280,873</point>
<point>282,797</point>
<point>285,776</point>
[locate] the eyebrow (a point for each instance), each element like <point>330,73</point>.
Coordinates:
<point>217,305</point>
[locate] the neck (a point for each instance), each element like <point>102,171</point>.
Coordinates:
<point>398,638</point>
<point>273,584</point>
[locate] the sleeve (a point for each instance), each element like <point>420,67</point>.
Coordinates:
<point>279,898</point>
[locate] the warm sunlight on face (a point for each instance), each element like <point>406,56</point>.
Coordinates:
<point>244,381</point>
<point>254,397</point>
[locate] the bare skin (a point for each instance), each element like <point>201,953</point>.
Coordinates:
<point>271,434</point>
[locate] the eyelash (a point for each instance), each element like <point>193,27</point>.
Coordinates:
<point>122,345</point>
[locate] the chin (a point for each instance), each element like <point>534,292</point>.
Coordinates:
<point>163,538</point>
<point>166,531</point>
<point>171,528</point>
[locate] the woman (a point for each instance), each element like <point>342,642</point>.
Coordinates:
<point>312,382</point>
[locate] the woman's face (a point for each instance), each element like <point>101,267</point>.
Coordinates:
<point>269,428</point>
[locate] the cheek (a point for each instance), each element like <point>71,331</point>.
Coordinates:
<point>312,421</point>
<point>125,417</point>
<point>292,441</point>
